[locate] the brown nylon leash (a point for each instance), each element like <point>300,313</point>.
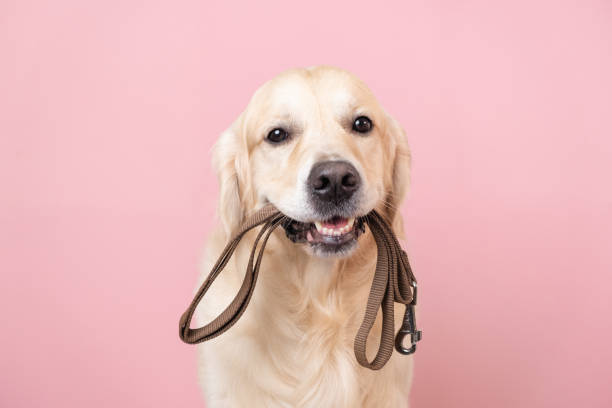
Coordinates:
<point>393,282</point>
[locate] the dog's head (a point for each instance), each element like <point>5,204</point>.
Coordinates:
<point>317,145</point>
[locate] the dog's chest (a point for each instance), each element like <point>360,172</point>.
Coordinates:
<point>308,335</point>
<point>294,345</point>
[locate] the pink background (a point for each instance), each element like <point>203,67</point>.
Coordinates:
<point>108,111</point>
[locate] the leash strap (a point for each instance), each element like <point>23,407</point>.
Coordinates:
<point>393,282</point>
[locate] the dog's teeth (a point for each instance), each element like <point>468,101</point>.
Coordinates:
<point>334,232</point>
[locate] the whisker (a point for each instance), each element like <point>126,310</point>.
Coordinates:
<point>390,205</point>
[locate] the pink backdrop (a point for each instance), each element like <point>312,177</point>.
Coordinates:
<point>108,111</point>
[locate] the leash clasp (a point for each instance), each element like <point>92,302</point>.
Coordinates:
<point>408,327</point>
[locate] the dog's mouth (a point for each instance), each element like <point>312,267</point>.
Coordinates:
<point>336,235</point>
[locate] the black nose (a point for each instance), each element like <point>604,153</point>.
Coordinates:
<point>333,181</point>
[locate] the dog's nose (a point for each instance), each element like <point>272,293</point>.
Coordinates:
<point>334,181</point>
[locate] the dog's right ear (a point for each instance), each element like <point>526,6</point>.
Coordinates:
<point>229,163</point>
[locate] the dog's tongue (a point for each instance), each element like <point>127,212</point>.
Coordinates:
<point>334,223</point>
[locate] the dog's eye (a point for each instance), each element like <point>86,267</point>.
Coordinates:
<point>277,135</point>
<point>362,124</point>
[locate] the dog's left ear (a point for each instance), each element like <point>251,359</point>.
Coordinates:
<point>230,164</point>
<point>400,174</point>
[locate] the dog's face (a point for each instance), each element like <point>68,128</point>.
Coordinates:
<point>317,145</point>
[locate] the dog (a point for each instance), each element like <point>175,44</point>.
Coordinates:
<point>316,144</point>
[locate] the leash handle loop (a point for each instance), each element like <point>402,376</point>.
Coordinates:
<point>271,218</point>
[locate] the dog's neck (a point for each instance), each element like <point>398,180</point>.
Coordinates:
<point>319,277</point>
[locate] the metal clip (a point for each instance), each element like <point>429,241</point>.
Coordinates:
<point>408,327</point>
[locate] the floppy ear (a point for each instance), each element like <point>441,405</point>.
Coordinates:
<point>228,162</point>
<point>400,174</point>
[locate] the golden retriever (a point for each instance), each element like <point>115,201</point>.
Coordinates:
<point>315,143</point>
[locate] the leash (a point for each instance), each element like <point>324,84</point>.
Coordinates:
<point>393,282</point>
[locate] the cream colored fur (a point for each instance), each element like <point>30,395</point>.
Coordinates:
<point>293,347</point>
